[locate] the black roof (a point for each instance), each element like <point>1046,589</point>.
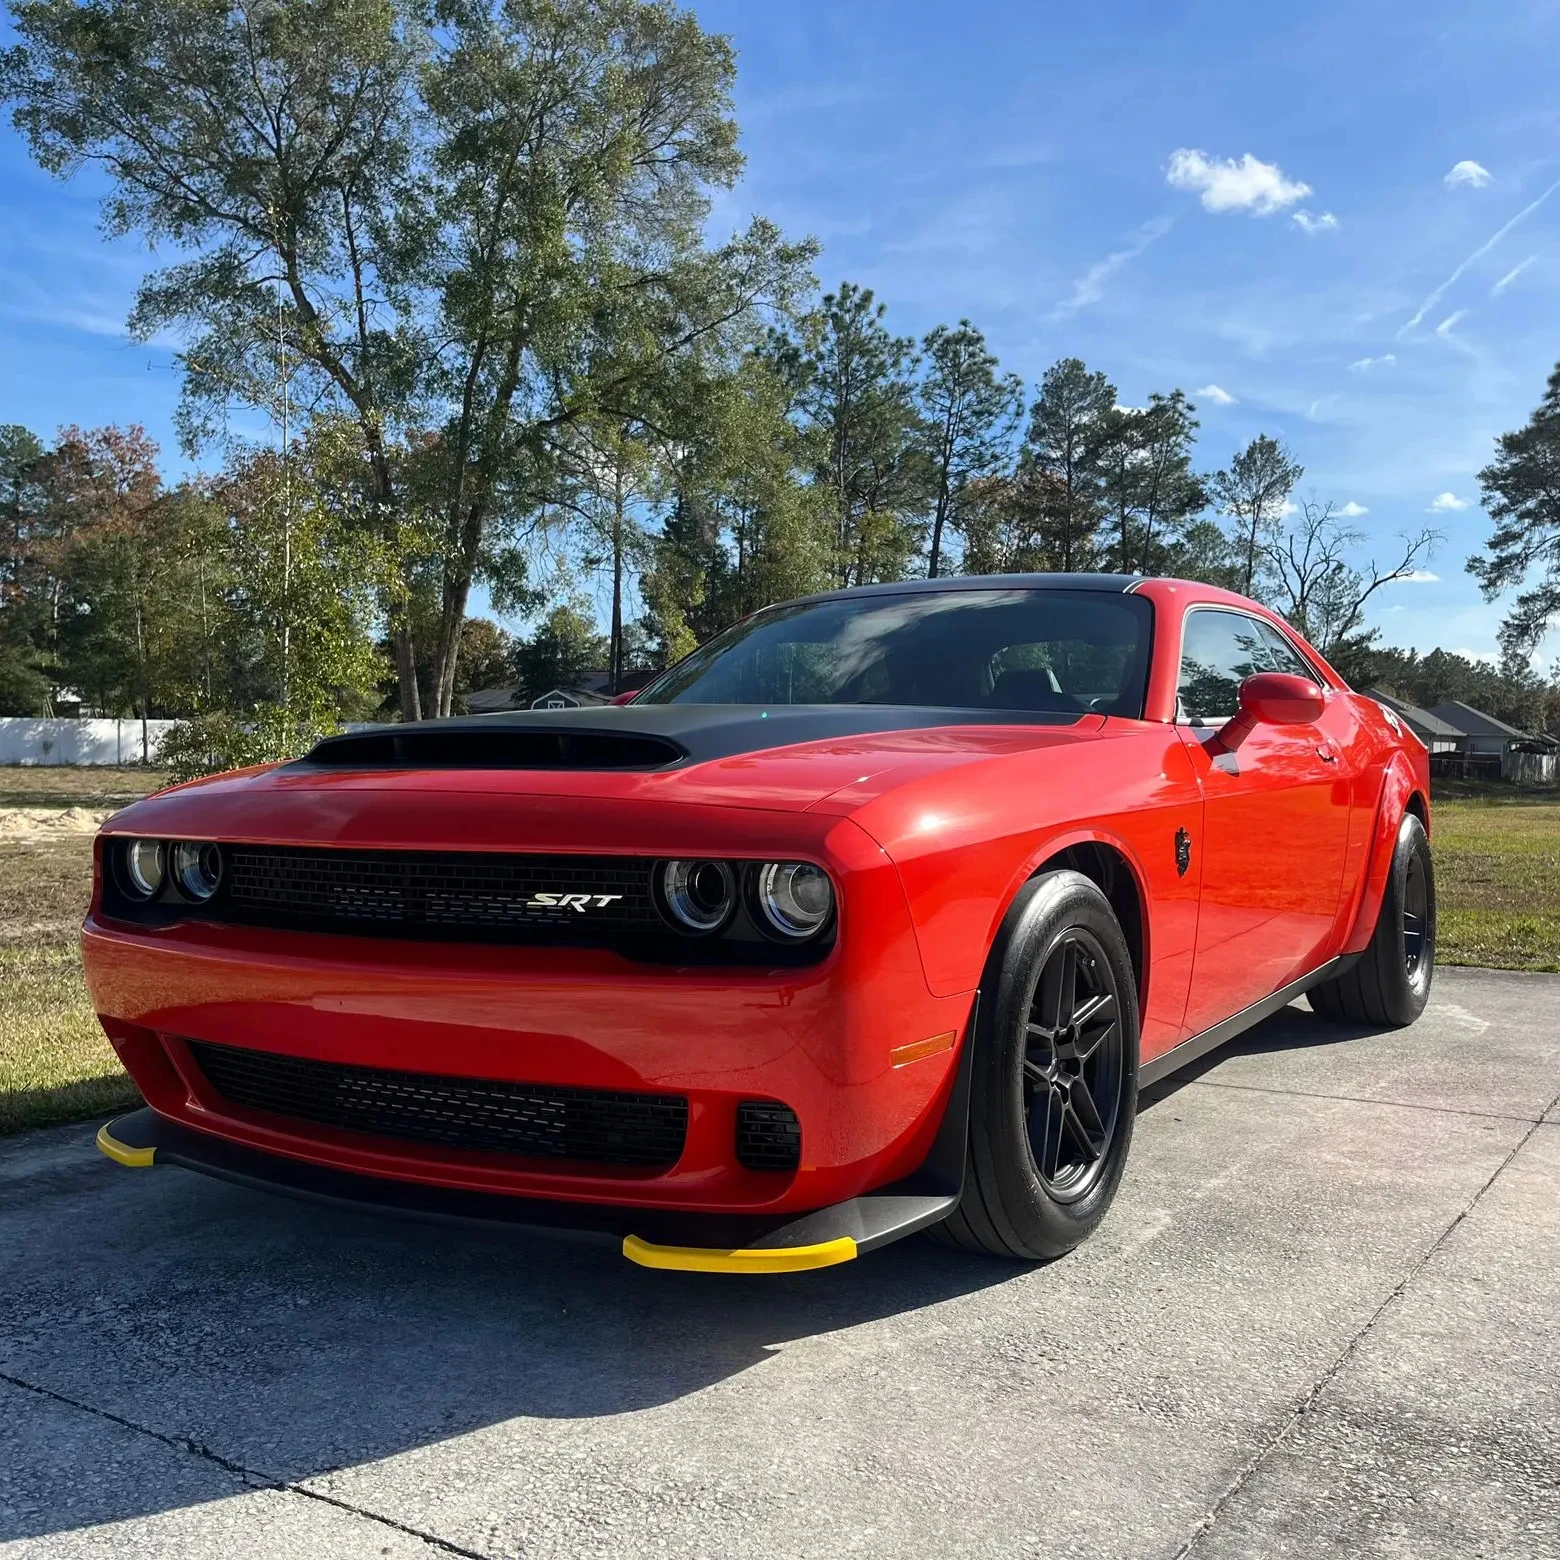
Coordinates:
<point>1116,584</point>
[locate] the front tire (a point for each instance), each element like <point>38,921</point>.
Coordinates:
<point>1054,1084</point>
<point>1389,984</point>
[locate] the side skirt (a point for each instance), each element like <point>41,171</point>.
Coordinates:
<point>1189,1051</point>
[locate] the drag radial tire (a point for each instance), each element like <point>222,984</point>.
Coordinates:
<point>1389,983</point>
<point>1053,1089</point>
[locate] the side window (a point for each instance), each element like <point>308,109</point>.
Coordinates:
<point>1219,651</point>
<point>1284,655</point>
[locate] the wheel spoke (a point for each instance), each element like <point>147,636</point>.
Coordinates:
<point>1035,1075</point>
<point>1046,1118</point>
<point>1058,989</point>
<point>1083,1117</point>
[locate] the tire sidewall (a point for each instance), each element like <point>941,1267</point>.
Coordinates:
<point>1409,995</point>
<point>1046,909</point>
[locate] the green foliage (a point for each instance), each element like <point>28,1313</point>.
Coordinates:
<point>1252,491</point>
<point>857,404</point>
<point>1065,455</point>
<point>969,417</point>
<point>1522,494</point>
<point>564,647</point>
<point>216,741</point>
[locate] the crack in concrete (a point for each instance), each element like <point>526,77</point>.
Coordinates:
<point>1312,1396</point>
<point>249,1477</point>
<point>1366,1099</point>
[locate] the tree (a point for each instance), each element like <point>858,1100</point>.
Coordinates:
<point>857,399</point>
<point>969,417</point>
<point>1148,486</point>
<point>24,682</point>
<point>487,229</point>
<point>565,646</point>
<point>1252,491</point>
<point>1521,489</point>
<point>1322,593</point>
<point>1069,422</point>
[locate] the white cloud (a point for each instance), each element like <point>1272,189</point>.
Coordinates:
<point>1217,394</point>
<point>1467,172</point>
<point>1287,508</point>
<point>1231,184</point>
<point>1352,511</point>
<point>1478,254</point>
<point>1445,327</point>
<point>1309,224</point>
<point>1445,503</point>
<point>1386,360</point>
<point>1511,276</point>
<point>1090,287</point>
<point>1419,577</point>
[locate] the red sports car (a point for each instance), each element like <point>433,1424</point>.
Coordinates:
<point>871,916</point>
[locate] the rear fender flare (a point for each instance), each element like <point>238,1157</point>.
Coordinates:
<point>1398,785</point>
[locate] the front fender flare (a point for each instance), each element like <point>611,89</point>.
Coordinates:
<point>1398,785</point>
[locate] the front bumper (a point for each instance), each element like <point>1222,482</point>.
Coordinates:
<point>651,1237</point>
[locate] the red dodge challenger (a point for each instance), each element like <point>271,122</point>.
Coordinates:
<point>871,916</point>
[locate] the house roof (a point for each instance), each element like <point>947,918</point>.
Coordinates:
<point>1470,722</point>
<point>1422,723</point>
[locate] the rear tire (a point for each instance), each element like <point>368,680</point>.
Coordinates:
<point>1053,1090</point>
<point>1389,984</point>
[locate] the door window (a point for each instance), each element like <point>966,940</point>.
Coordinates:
<point>1285,657</point>
<point>1219,651</point>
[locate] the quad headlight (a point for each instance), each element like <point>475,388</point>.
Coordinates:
<point>795,899</point>
<point>142,867</point>
<point>698,896</point>
<point>197,869</point>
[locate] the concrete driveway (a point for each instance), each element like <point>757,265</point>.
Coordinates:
<point>1323,1318</point>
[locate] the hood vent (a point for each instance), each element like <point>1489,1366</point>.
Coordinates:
<point>463,746</point>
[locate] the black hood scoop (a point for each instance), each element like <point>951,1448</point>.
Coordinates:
<point>638,737</point>
<point>456,745</point>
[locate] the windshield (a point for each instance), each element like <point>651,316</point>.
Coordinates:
<point>1051,651</point>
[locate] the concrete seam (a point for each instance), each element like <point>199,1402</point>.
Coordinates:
<point>246,1476</point>
<point>1364,1099</point>
<point>1309,1399</point>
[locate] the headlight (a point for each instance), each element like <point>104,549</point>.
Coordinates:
<point>197,869</point>
<point>795,898</point>
<point>698,896</point>
<point>142,867</point>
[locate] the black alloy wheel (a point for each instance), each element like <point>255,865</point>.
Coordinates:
<point>1053,1083</point>
<point>1416,915</point>
<point>1072,1066</point>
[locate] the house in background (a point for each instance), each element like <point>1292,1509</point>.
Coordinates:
<point>1436,734</point>
<point>1486,743</point>
<point>588,689</point>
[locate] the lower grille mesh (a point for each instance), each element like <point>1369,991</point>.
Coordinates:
<point>769,1137</point>
<point>591,1125</point>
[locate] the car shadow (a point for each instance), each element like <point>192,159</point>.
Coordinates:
<point>1293,1028</point>
<point>293,1339</point>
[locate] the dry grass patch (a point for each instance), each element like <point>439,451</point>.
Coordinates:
<point>55,1064</point>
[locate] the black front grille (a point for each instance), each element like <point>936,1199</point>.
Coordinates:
<point>769,1137</point>
<point>491,894</point>
<point>596,1126</point>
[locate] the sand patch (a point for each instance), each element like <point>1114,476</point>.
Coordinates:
<point>23,825</point>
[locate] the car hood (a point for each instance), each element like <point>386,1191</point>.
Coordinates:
<point>786,759</point>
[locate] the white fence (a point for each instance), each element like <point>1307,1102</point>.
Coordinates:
<point>24,741</point>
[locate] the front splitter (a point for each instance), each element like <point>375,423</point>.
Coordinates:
<point>651,1237</point>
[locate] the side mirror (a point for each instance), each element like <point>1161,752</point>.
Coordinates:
<point>626,698</point>
<point>1273,699</point>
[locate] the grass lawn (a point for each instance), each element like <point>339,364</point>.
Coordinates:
<point>1497,874</point>
<point>1497,853</point>
<point>55,1064</point>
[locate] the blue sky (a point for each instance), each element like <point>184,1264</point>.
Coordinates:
<point>1119,182</point>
